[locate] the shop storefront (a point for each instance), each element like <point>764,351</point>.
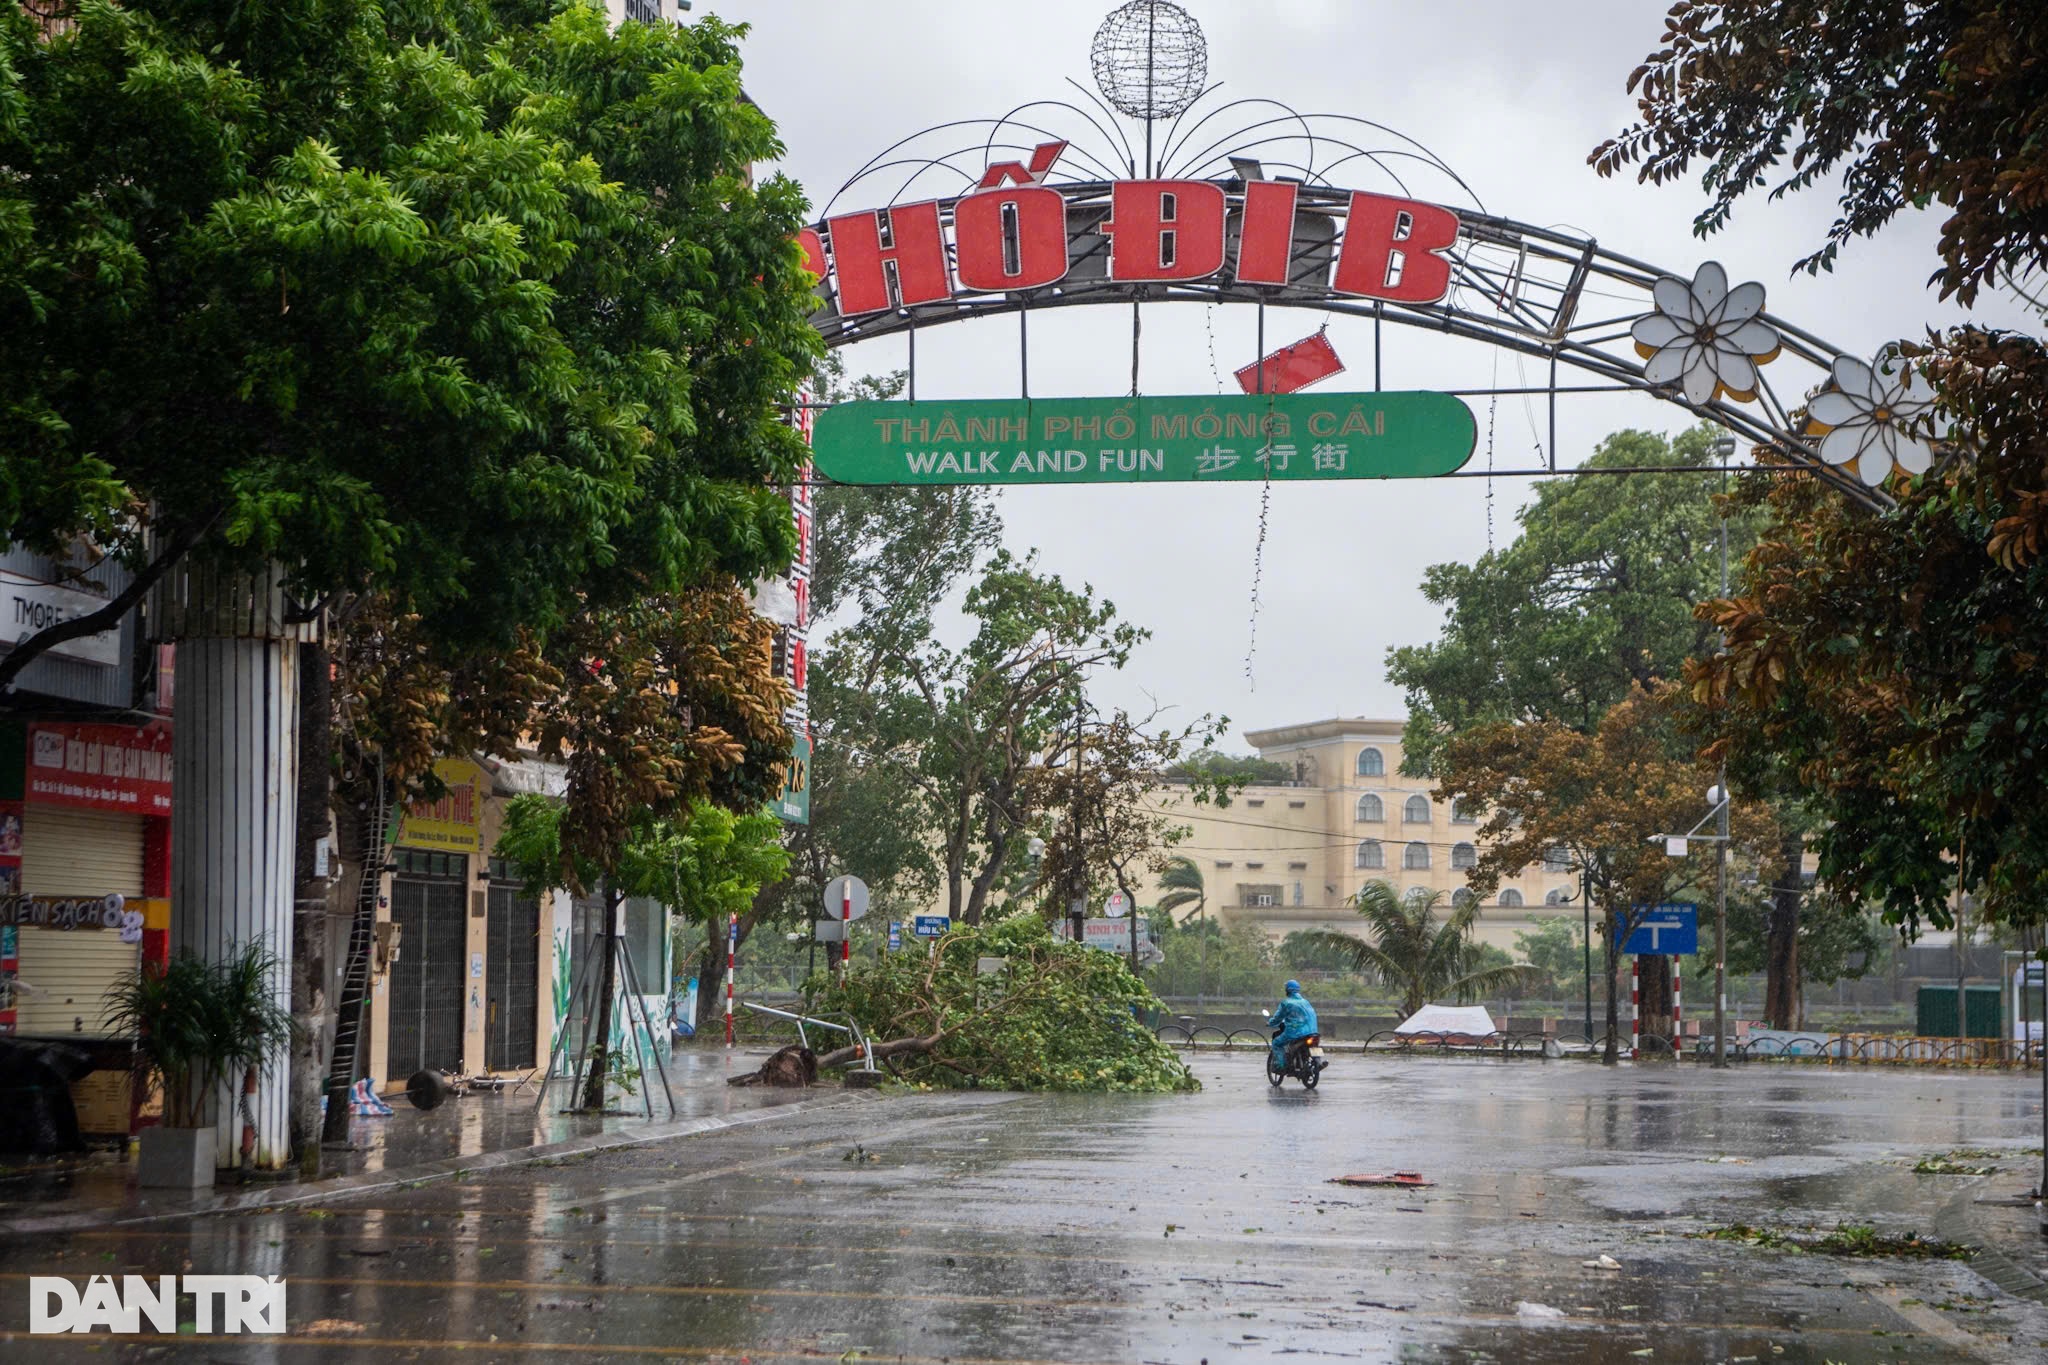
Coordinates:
<point>465,981</point>
<point>84,825</point>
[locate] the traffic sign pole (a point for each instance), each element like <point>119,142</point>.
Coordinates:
<point>845,928</point>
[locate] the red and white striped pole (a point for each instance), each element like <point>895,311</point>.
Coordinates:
<point>1678,1006</point>
<point>732,962</point>
<point>845,924</point>
<point>1635,1004</point>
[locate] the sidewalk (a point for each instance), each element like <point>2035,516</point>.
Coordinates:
<point>2000,1216</point>
<point>471,1133</point>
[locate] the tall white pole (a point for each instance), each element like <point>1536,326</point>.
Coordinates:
<point>234,809</point>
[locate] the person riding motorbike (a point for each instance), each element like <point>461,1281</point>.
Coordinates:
<point>1293,1021</point>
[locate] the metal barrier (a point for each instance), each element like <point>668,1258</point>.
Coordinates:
<point>1825,1049</point>
<point>850,1027</point>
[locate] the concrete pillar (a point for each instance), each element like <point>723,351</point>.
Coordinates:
<point>234,805</point>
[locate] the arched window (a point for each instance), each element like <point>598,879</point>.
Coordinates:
<point>1370,764</point>
<point>1416,859</point>
<point>1510,898</point>
<point>1464,856</point>
<point>1416,812</point>
<point>1461,816</point>
<point>1557,858</point>
<point>1461,898</point>
<point>1369,854</point>
<point>1416,893</point>
<point>1555,897</point>
<point>1370,810</point>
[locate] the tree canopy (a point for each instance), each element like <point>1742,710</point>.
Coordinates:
<point>476,306</point>
<point>1902,105</point>
<point>1594,596</point>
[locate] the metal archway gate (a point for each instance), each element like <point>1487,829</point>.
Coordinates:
<point>1022,240</point>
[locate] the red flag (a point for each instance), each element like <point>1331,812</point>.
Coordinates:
<point>1293,367</point>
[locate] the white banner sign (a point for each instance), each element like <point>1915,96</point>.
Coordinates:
<point>28,606</point>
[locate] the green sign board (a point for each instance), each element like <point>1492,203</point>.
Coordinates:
<point>794,804</point>
<point>1285,437</point>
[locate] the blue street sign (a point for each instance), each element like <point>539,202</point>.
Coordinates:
<point>895,934</point>
<point>1663,931</point>
<point>930,926</point>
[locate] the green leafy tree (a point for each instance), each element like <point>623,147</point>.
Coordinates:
<point>1555,950</point>
<point>1056,1016</point>
<point>1597,800</point>
<point>473,306</point>
<point>1204,957</point>
<point>1413,953</point>
<point>1237,770</point>
<point>1307,950</point>
<point>1888,659</point>
<point>1595,595</point>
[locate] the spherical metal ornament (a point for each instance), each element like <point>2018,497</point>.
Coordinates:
<point>1150,59</point>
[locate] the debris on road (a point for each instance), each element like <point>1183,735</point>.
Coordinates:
<point>1603,1262</point>
<point>1540,1312</point>
<point>792,1067</point>
<point>1407,1180</point>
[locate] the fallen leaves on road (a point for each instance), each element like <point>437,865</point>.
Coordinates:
<point>1851,1239</point>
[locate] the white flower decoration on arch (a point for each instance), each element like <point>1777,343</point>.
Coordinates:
<point>1705,337</point>
<point>1873,417</point>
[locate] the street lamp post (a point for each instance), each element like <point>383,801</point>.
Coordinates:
<point>1586,944</point>
<point>1724,447</point>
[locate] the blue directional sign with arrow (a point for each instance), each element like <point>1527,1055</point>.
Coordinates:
<point>1662,931</point>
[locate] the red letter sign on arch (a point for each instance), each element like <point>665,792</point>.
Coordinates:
<point>1390,250</point>
<point>1164,229</point>
<point>1024,225</point>
<point>917,249</point>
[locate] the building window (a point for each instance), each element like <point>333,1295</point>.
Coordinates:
<point>1298,893</point>
<point>1557,858</point>
<point>1417,893</point>
<point>1555,897</point>
<point>1461,816</point>
<point>645,11</point>
<point>1464,856</point>
<point>1259,802</point>
<point>1369,854</point>
<point>1416,859</point>
<point>1416,812</point>
<point>1255,865</point>
<point>1461,898</point>
<point>1221,863</point>
<point>1370,764</point>
<point>1511,899</point>
<point>1371,810</point>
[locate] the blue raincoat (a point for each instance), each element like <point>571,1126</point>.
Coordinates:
<point>1295,1019</point>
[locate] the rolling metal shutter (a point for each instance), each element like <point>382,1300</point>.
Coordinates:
<point>75,853</point>
<point>512,980</point>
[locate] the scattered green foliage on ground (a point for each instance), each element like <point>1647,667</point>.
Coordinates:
<point>1954,1163</point>
<point>1047,1016</point>
<point>1850,1239</point>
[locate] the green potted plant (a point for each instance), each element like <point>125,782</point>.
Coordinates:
<point>196,1025</point>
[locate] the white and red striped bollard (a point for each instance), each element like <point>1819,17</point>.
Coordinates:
<point>1677,1006</point>
<point>732,961</point>
<point>1635,1004</point>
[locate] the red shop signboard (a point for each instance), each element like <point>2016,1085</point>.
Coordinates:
<point>101,767</point>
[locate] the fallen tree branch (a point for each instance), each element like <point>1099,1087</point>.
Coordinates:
<point>882,1052</point>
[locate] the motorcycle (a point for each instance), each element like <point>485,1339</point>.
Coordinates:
<point>1304,1060</point>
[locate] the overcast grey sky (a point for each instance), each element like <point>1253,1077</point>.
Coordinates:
<point>1510,94</point>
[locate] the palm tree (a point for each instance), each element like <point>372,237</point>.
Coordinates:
<point>1181,881</point>
<point>1411,952</point>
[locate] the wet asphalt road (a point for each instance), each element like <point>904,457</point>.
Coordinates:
<point>979,1228</point>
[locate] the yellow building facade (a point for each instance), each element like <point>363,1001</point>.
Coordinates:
<point>1289,856</point>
